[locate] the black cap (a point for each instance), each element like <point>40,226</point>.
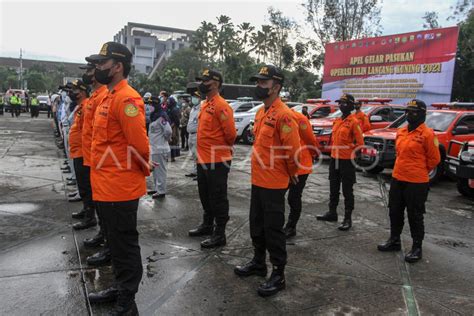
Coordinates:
<point>268,72</point>
<point>67,86</point>
<point>78,84</point>
<point>155,100</point>
<point>346,97</point>
<point>416,105</point>
<point>111,50</point>
<point>87,66</point>
<point>209,74</point>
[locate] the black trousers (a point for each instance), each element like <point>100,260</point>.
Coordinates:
<point>295,193</point>
<point>50,113</point>
<point>212,185</point>
<point>15,110</point>
<point>341,171</point>
<point>184,138</point>
<point>34,111</point>
<point>411,196</point>
<point>122,235</point>
<point>83,177</point>
<point>267,217</point>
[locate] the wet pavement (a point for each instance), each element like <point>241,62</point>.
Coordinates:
<point>43,269</point>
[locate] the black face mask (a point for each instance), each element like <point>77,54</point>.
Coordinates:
<point>415,118</point>
<point>87,79</point>
<point>346,108</point>
<point>103,76</point>
<point>262,93</point>
<point>204,89</point>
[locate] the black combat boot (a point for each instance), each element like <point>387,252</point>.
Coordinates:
<point>415,253</point>
<point>107,295</point>
<point>202,230</point>
<point>95,241</point>
<point>330,216</point>
<point>100,258</point>
<point>217,239</point>
<point>79,215</point>
<point>253,267</point>
<point>392,244</point>
<point>274,284</point>
<point>347,222</point>
<point>88,221</point>
<point>125,305</point>
<point>289,230</point>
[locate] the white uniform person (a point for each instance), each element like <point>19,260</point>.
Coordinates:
<point>159,133</point>
<point>192,131</point>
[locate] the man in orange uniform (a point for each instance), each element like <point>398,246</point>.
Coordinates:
<point>215,137</point>
<point>99,92</point>
<point>363,119</point>
<point>119,165</point>
<point>417,154</point>
<point>307,153</point>
<point>346,137</point>
<point>79,94</point>
<point>274,165</point>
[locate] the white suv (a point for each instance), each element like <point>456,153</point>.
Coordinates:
<point>242,123</point>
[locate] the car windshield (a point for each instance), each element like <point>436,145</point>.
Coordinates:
<point>299,108</point>
<point>255,109</point>
<point>235,105</point>
<point>438,121</point>
<point>42,98</point>
<point>338,113</point>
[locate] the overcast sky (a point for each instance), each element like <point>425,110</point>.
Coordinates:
<point>70,30</point>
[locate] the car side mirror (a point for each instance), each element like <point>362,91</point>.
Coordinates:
<point>376,118</point>
<point>461,130</point>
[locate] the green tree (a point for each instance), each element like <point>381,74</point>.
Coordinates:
<point>464,68</point>
<point>8,78</point>
<point>431,20</point>
<point>282,27</point>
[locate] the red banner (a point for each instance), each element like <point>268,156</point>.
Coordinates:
<point>401,67</point>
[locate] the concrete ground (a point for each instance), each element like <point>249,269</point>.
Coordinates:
<point>42,260</point>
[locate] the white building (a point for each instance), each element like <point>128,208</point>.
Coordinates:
<point>151,45</point>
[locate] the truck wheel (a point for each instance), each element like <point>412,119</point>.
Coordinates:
<point>247,137</point>
<point>436,173</point>
<point>463,187</point>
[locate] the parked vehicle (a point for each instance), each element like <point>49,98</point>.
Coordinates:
<point>461,166</point>
<point>380,113</point>
<point>242,124</point>
<point>452,121</point>
<point>244,106</point>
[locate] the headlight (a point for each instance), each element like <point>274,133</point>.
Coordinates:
<point>326,131</point>
<point>467,156</point>
<point>238,119</point>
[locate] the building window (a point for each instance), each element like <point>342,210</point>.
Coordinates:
<point>125,42</point>
<point>181,46</point>
<point>137,41</point>
<point>172,46</point>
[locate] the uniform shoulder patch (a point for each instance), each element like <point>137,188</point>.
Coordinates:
<point>224,115</point>
<point>131,110</point>
<point>436,141</point>
<point>286,129</point>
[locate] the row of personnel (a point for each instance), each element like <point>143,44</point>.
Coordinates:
<point>111,150</point>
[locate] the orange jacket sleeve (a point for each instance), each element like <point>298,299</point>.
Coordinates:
<point>226,118</point>
<point>290,140</point>
<point>365,124</point>
<point>432,151</point>
<point>131,115</point>
<point>359,139</point>
<point>307,136</point>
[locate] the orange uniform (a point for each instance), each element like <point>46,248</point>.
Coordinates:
<point>216,131</point>
<point>120,147</point>
<point>88,113</point>
<point>363,121</point>
<point>308,143</point>
<point>75,134</point>
<point>346,136</point>
<point>275,150</point>
<point>417,154</point>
